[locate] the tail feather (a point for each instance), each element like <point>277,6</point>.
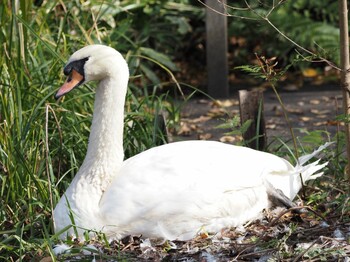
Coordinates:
<point>291,184</point>
<point>303,159</point>
<point>308,172</point>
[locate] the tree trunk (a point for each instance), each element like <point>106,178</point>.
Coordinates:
<point>252,108</point>
<point>345,72</point>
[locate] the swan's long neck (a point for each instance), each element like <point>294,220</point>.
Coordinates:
<point>104,154</point>
<point>105,150</point>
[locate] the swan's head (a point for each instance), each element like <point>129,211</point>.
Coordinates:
<point>93,62</point>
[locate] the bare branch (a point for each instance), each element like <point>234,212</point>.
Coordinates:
<point>227,14</point>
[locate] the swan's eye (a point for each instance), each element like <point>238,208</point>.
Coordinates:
<point>69,78</point>
<point>77,65</point>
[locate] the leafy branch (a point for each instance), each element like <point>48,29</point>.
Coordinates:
<point>266,69</point>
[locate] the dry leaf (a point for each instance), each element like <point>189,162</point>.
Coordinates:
<point>323,123</point>
<point>216,103</point>
<point>305,118</point>
<point>185,130</point>
<point>326,98</point>
<point>227,139</point>
<point>315,102</point>
<point>203,101</point>
<point>278,111</point>
<point>271,126</point>
<point>226,103</point>
<point>216,112</point>
<point>204,235</point>
<point>200,119</point>
<point>309,72</point>
<point>335,123</point>
<point>193,127</point>
<point>240,41</point>
<point>295,111</point>
<point>205,136</point>
<point>319,112</point>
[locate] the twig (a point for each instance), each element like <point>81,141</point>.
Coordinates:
<point>292,209</point>
<point>266,19</point>
<point>304,252</point>
<point>227,14</point>
<point>255,253</point>
<point>322,59</point>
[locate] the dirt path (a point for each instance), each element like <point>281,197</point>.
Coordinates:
<point>311,108</point>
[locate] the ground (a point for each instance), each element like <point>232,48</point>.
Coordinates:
<point>310,108</point>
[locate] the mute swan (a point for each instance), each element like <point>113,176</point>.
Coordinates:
<point>172,191</point>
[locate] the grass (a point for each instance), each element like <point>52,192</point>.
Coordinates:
<point>42,142</point>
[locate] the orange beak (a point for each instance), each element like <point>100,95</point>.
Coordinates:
<point>74,79</point>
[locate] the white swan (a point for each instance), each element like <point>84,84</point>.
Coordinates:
<point>172,191</point>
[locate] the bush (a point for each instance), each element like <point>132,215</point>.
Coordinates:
<point>311,24</point>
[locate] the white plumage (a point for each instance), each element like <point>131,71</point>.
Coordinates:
<point>172,191</point>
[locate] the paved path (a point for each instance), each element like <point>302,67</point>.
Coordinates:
<point>311,108</point>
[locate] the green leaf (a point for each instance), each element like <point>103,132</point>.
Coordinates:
<point>149,74</point>
<point>159,57</point>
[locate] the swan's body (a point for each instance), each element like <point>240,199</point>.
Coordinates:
<point>172,191</point>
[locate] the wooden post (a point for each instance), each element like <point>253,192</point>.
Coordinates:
<point>216,47</point>
<point>252,108</point>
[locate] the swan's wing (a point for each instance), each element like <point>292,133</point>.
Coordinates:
<point>188,185</point>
